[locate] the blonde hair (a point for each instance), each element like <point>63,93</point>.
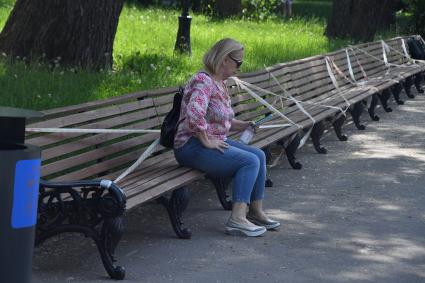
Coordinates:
<point>216,55</point>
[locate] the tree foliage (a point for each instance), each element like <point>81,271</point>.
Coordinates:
<point>417,8</point>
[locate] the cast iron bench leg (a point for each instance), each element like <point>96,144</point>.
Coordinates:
<point>221,186</point>
<point>290,149</point>
<point>407,84</point>
<point>175,206</point>
<point>372,107</point>
<point>384,97</point>
<point>93,210</point>
<point>337,125</point>
<point>268,154</point>
<point>316,135</point>
<point>396,90</point>
<point>418,79</point>
<point>356,112</point>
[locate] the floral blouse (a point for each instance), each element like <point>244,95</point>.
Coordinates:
<point>206,106</point>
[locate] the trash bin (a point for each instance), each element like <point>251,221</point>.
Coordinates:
<point>19,179</point>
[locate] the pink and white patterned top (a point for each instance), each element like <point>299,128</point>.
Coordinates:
<point>206,106</point>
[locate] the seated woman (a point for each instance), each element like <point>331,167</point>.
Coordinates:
<point>201,141</point>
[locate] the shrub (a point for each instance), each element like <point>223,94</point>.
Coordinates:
<point>417,8</point>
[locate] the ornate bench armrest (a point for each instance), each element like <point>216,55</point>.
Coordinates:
<point>113,188</point>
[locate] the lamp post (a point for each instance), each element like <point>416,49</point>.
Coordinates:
<point>183,33</point>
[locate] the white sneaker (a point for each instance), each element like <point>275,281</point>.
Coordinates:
<point>234,228</point>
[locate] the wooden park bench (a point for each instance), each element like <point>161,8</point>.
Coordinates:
<point>309,82</point>
<point>77,193</point>
<point>369,69</point>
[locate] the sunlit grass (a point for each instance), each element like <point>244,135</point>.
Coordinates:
<point>144,56</point>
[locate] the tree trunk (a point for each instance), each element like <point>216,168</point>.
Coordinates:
<point>227,8</point>
<point>365,18</point>
<point>74,32</point>
<point>389,10</point>
<point>338,23</point>
<point>356,19</point>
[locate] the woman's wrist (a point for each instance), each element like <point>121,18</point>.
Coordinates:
<point>203,137</point>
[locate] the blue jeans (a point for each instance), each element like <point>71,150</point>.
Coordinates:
<point>246,164</point>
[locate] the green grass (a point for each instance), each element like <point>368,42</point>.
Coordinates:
<point>144,57</point>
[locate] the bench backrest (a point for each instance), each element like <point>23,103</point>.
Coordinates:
<point>370,57</point>
<point>83,156</point>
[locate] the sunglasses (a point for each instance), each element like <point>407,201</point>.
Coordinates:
<point>238,62</point>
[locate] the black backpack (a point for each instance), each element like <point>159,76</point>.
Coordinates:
<point>416,48</point>
<point>171,121</point>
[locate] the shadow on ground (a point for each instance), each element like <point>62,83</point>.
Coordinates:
<point>352,215</point>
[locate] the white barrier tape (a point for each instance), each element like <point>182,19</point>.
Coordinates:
<point>359,64</point>
<point>368,54</point>
<point>385,50</point>
<point>333,79</point>
<point>280,97</point>
<point>277,159</point>
<point>398,65</point>
<point>281,102</point>
<point>406,54</point>
<point>148,152</point>
<point>387,65</point>
<point>243,85</point>
<point>339,72</point>
<point>387,72</point>
<point>304,138</point>
<point>302,102</point>
<point>297,103</point>
<point>403,45</point>
<point>274,126</point>
<point>350,69</point>
<point>420,37</point>
<point>89,131</point>
<point>379,79</point>
<point>331,74</point>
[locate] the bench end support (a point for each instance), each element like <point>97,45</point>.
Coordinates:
<point>316,135</point>
<point>407,84</point>
<point>86,207</point>
<point>356,112</point>
<point>337,124</point>
<point>291,149</point>
<point>395,90</point>
<point>418,79</point>
<point>372,106</point>
<point>221,185</point>
<point>175,206</point>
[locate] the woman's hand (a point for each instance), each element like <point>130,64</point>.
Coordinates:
<point>238,125</point>
<point>213,144</point>
<point>217,144</point>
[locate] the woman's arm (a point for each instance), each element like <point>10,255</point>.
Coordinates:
<point>213,144</point>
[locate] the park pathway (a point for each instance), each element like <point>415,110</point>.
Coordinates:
<point>353,215</point>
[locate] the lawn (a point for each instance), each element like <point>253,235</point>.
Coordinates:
<point>144,57</point>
